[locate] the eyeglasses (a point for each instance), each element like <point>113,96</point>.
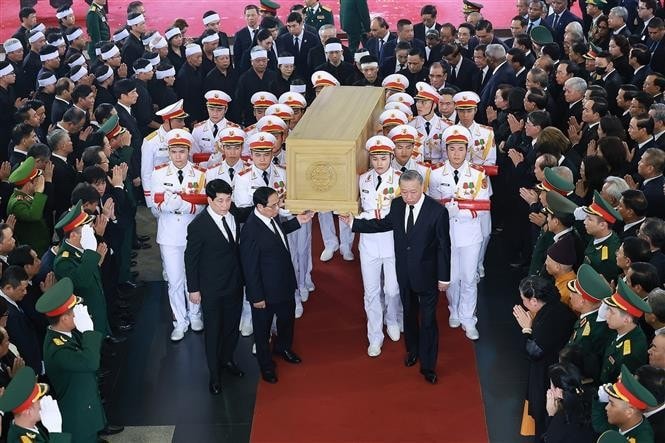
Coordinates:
<point>273,206</point>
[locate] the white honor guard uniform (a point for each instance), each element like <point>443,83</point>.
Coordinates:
<point>482,152</point>
<point>261,101</point>
<point>207,133</point>
<point>221,168</point>
<point>455,187</point>
<point>408,134</point>
<point>154,150</point>
<point>377,251</point>
<point>173,195</point>
<point>430,130</point>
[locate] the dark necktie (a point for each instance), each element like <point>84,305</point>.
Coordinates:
<point>229,234</point>
<point>295,44</point>
<point>231,172</point>
<point>403,169</point>
<point>378,182</point>
<point>555,23</point>
<point>275,160</point>
<point>409,220</point>
<point>401,66</point>
<point>265,177</point>
<point>180,176</point>
<point>279,236</point>
<point>380,48</point>
<point>453,73</point>
<point>456,175</point>
<point>427,124</point>
<point>528,30</point>
<point>653,47</point>
<point>252,33</point>
<point>215,129</point>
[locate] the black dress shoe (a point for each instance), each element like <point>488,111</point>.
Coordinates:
<point>233,369</point>
<point>115,339</point>
<point>430,376</point>
<point>133,263</point>
<point>139,245</point>
<point>124,326</point>
<point>133,254</point>
<point>128,285</point>
<point>290,356</point>
<point>410,359</point>
<point>269,376</point>
<point>215,388</point>
<point>111,430</point>
<point>143,238</point>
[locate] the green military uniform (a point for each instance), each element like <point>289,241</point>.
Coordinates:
<point>31,228</point>
<point>628,389</point>
<point>318,15</point>
<point>21,393</point>
<point>72,360</point>
<point>544,241</point>
<point>630,350</point>
<point>82,267</point>
<point>602,255</point>
<point>354,17</point>
<point>611,436</point>
<point>98,27</point>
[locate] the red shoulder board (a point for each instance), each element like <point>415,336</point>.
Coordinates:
<point>199,124</point>
<point>249,128</point>
<point>244,171</point>
<point>234,125</point>
<point>198,168</point>
<point>427,165</point>
<point>163,165</point>
<point>435,167</point>
<point>477,167</point>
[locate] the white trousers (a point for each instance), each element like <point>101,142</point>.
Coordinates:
<point>373,284</point>
<point>300,243</point>
<point>327,225</point>
<point>463,291</point>
<point>486,228</point>
<point>173,261</point>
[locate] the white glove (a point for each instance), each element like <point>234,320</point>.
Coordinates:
<point>172,202</point>
<point>82,320</point>
<point>50,414</point>
<point>603,396</point>
<point>602,312</point>
<point>453,208</point>
<point>88,240</point>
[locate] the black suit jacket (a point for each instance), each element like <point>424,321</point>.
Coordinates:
<point>317,57</point>
<point>465,77</point>
<point>653,191</point>
<point>389,48</point>
<point>566,18</point>
<point>24,335</point>
<point>309,41</point>
<point>423,255</point>
<point>65,178</point>
<point>242,41</point>
<point>639,153</point>
<point>372,45</point>
<point>657,422</point>
<point>266,262</point>
<point>504,75</point>
<point>58,109</point>
<point>419,30</point>
<point>128,122</point>
<point>212,263</point>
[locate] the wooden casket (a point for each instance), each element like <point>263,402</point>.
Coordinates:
<point>326,150</point>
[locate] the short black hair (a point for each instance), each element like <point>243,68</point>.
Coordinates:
<point>294,17</point>
<point>39,150</point>
<point>644,274</point>
<point>13,276</point>
<point>90,155</point>
<point>123,86</point>
<point>636,249</point>
<point>25,12</point>
<point>94,174</point>
<point>81,91</point>
<point>218,186</point>
<point>21,131</point>
<point>653,379</point>
<point>540,288</point>
<point>21,256</point>
<point>73,115</point>
<point>635,200</point>
<point>84,192</point>
<point>428,9</point>
<point>261,195</point>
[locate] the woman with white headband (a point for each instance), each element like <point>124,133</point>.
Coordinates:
<point>176,51</point>
<point>162,91</point>
<point>211,21</point>
<point>133,48</point>
<point>286,73</point>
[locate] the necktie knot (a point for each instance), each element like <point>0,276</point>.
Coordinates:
<point>378,181</point>
<point>403,169</point>
<point>265,177</point>
<point>215,129</point>
<point>427,126</point>
<point>456,175</point>
<point>231,172</point>
<point>275,160</point>
<point>181,177</point>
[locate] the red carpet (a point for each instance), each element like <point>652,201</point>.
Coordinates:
<point>161,13</point>
<point>339,394</point>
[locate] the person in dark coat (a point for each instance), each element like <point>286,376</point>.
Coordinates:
<point>259,78</point>
<point>422,249</point>
<point>546,325</point>
<point>189,84</point>
<point>243,40</point>
<point>305,42</point>
<point>215,278</point>
<point>653,379</point>
<point>650,168</point>
<point>133,48</point>
<point>336,65</point>
<point>270,278</point>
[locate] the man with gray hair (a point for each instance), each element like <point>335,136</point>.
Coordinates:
<point>317,56</point>
<point>612,189</point>
<point>421,237</point>
<point>657,113</point>
<point>502,73</point>
<point>65,176</point>
<point>617,20</point>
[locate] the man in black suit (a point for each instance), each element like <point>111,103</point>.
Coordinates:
<point>404,34</point>
<point>379,30</point>
<point>560,18</point>
<point>126,94</point>
<point>63,93</point>
<point>133,48</point>
<point>397,62</point>
<point>428,17</point>
<point>270,283</point>
<point>462,70</point>
<point>640,131</point>
<point>656,29</point>
<point>502,73</point>
<point>215,279</point>
<point>633,208</point>
<point>610,79</point>
<point>13,286</point>
<point>652,377</point>
<point>243,39</point>
<point>617,21</point>
<point>650,168</point>
<point>297,42</point>
<point>639,58</point>
<point>64,174</point>
<point>422,247</point>
<point>317,55</point>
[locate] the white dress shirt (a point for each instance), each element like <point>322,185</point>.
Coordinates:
<point>218,221</point>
